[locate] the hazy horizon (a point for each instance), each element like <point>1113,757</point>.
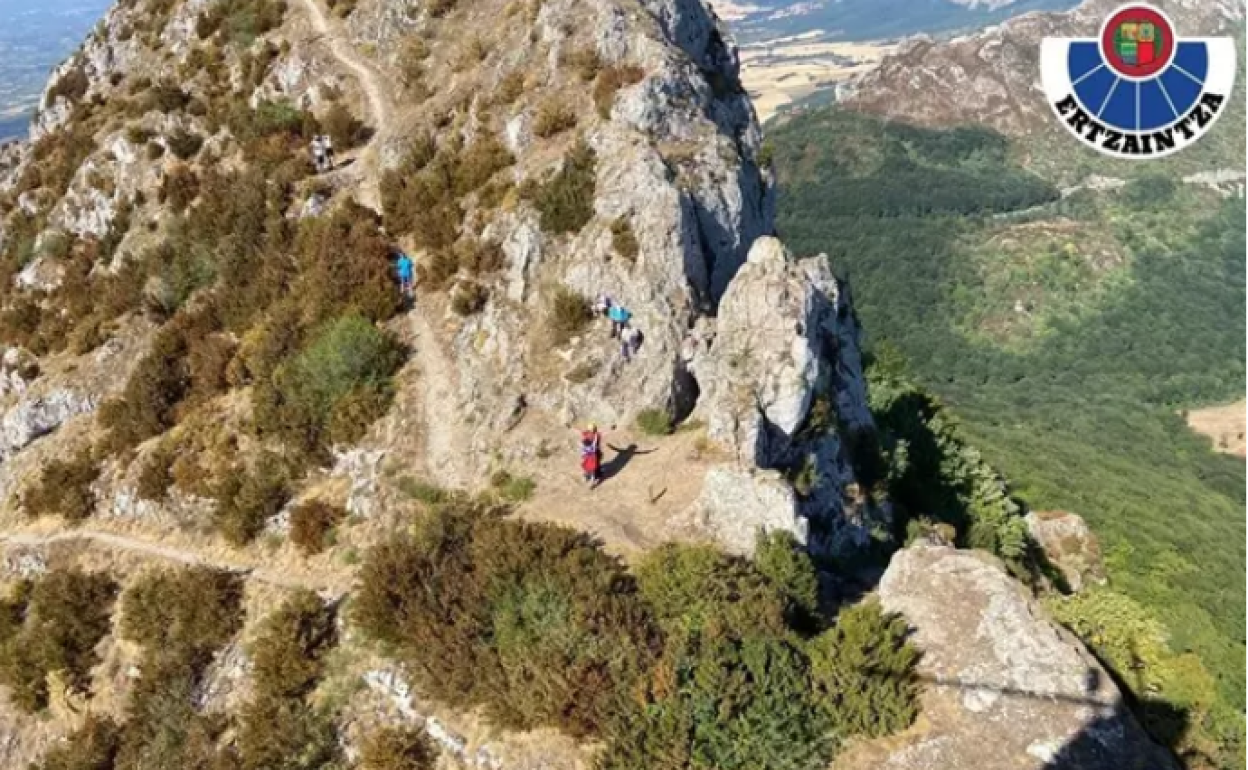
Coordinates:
<point>35,36</point>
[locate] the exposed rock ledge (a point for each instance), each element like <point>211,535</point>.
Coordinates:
<point>1007,688</point>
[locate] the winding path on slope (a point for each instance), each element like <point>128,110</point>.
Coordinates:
<point>375,95</point>
<point>436,369</point>
<point>150,549</point>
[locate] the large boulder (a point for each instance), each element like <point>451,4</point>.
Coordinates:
<point>1069,545</point>
<point>782,389</point>
<point>1006,687</point>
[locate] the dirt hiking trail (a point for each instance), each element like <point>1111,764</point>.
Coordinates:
<point>375,95</point>
<point>152,550</point>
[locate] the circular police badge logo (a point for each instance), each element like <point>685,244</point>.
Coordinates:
<point>1138,90</point>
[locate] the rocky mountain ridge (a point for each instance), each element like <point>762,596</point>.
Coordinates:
<point>205,352</point>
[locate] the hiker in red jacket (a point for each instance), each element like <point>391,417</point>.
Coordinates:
<point>591,455</point>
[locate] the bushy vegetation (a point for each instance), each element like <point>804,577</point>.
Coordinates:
<point>397,748</point>
<point>279,728</point>
<point>1131,310</point>
<point>91,747</point>
<point>554,116</point>
<point>180,617</point>
<point>611,80</point>
<point>330,391</point>
<point>568,314</point>
<point>312,525</point>
<point>63,616</point>
<point>527,621</point>
<point>289,650</point>
<point>654,422</point>
<point>695,662</point>
<point>1128,639</point>
<point>248,499</point>
<point>64,488</point>
<point>423,196</point>
<point>624,240</point>
<point>565,201</point>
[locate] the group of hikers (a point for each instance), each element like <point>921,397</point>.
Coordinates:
<point>630,337</point>
<point>322,150</point>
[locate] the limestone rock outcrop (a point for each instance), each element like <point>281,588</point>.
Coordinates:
<point>1005,686</point>
<point>1069,545</point>
<point>782,389</point>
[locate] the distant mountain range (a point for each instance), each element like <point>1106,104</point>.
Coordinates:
<point>34,37</point>
<point>869,19</point>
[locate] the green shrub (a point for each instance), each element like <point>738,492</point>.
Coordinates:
<point>478,162</point>
<point>513,489</point>
<point>285,734</point>
<point>343,128</point>
<point>691,588</point>
<point>179,188</point>
<point>584,61</point>
<point>72,85</point>
<point>554,116</point>
<point>611,80</point>
<point>348,361</point>
<point>288,653</point>
<point>654,422</point>
<point>64,488</point>
<point>66,616</point>
<point>397,748</point>
<point>423,492</point>
<point>568,314</point>
<point>181,616</point>
<point>533,622</point>
<point>479,257</point>
<point>469,298</point>
<point>164,728</point>
<point>345,267</point>
<point>440,8</point>
<point>312,524</point>
<point>184,144</point>
<point>624,240</point>
<point>155,475</point>
<point>724,701</point>
<point>509,88</point>
<point>780,558</point>
<point>146,405</point>
<point>91,747</point>
<point>246,501</point>
<point>565,202</point>
<point>863,672</point>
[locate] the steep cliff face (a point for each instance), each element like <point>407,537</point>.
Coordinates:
<point>1006,687</point>
<point>785,394</point>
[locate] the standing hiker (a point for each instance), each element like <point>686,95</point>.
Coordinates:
<point>630,342</point>
<point>591,455</point>
<point>318,154</point>
<point>619,316</point>
<point>327,144</point>
<point>405,271</point>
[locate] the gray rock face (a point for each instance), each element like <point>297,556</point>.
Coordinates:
<point>1069,545</point>
<point>782,389</point>
<point>38,416</point>
<point>1008,688</point>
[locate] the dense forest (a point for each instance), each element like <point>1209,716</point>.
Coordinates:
<point>1067,334</point>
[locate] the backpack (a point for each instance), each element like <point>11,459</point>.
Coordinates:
<point>589,444</point>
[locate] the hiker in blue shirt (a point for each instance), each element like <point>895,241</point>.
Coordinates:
<point>619,316</point>
<point>406,271</point>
